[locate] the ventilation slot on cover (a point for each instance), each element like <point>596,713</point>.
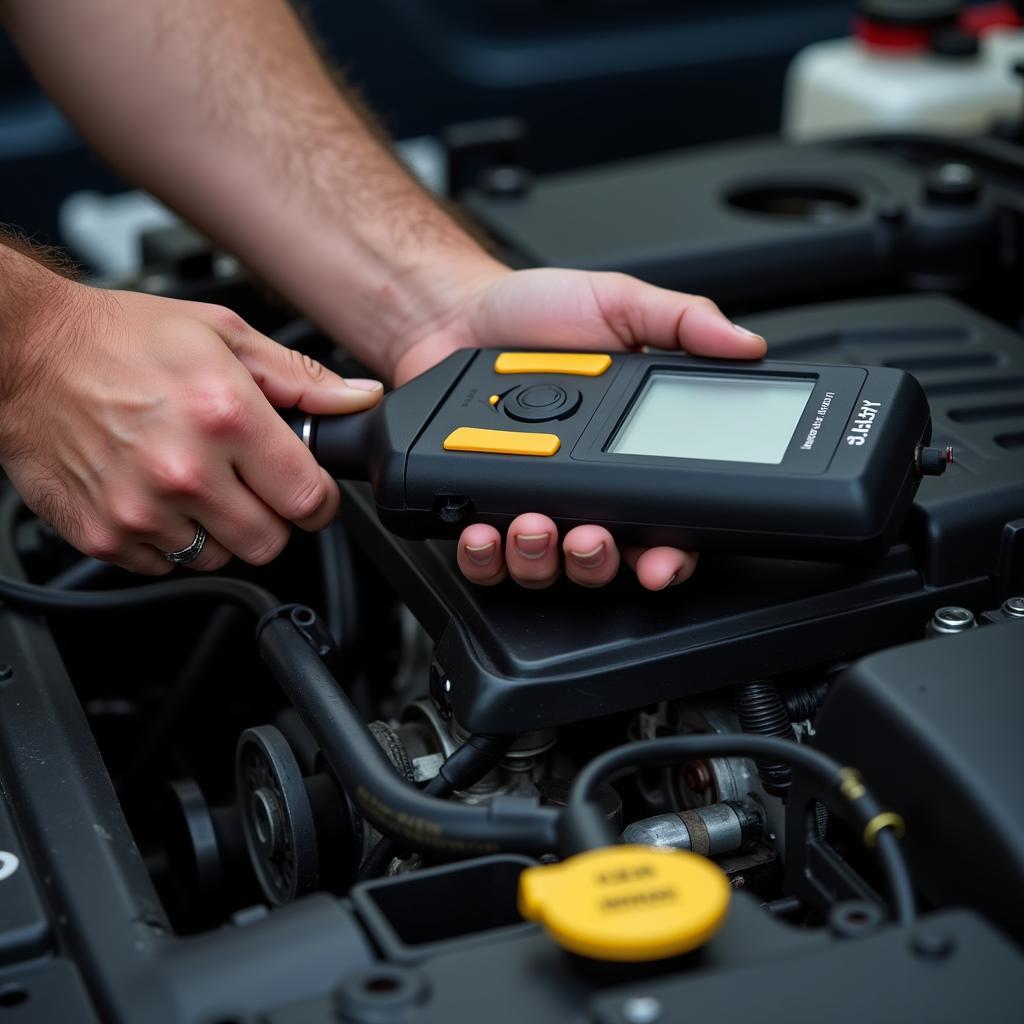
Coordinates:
<point>957,361</point>
<point>976,386</point>
<point>980,413</point>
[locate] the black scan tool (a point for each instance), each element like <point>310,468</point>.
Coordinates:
<point>767,458</point>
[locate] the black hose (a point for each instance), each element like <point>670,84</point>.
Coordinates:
<point>392,806</point>
<point>464,767</point>
<point>762,713</point>
<point>212,589</point>
<point>584,827</point>
<point>901,890</point>
<point>803,702</point>
<point>340,607</point>
<point>84,573</point>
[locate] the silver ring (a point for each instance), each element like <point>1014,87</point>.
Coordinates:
<point>189,554</point>
<point>307,432</point>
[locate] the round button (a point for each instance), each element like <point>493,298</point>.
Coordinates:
<point>541,396</point>
<point>540,402</point>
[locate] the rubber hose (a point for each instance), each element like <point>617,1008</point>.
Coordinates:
<point>464,767</point>
<point>762,713</point>
<point>584,827</point>
<point>393,807</point>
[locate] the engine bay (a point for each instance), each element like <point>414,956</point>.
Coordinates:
<point>189,777</point>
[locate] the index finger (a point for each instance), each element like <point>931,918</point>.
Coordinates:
<point>281,470</point>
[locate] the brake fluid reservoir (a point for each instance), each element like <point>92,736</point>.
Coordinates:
<point>908,67</point>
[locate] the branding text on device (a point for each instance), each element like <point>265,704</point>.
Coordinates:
<point>819,418</point>
<point>862,424</point>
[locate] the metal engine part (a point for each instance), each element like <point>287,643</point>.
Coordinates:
<point>710,830</point>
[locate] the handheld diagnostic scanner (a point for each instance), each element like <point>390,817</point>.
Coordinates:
<point>767,458</point>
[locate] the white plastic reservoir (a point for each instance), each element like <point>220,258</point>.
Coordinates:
<point>846,86</point>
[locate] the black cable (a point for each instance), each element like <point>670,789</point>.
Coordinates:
<point>584,827</point>
<point>464,767</point>
<point>901,889</point>
<point>340,606</point>
<point>392,806</point>
<point>214,589</point>
<point>84,573</point>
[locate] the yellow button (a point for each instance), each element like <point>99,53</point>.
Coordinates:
<point>494,399</point>
<point>501,442</point>
<point>583,364</point>
<point>627,902</point>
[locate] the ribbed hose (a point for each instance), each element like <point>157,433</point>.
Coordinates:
<point>803,702</point>
<point>762,713</point>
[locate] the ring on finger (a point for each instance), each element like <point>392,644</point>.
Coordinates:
<point>188,554</point>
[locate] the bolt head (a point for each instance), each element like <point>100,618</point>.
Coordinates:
<point>952,619</point>
<point>697,776</point>
<point>641,1010</point>
<point>932,945</point>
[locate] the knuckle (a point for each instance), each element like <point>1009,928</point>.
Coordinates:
<point>218,413</point>
<point>97,542</point>
<point>703,302</point>
<point>310,498</point>
<point>269,545</point>
<point>134,517</point>
<point>179,474</point>
<point>225,319</point>
<point>307,367</point>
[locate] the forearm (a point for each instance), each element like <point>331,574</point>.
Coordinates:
<point>30,292</point>
<point>223,110</point>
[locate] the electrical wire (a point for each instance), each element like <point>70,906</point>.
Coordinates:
<point>212,589</point>
<point>584,827</point>
<point>463,768</point>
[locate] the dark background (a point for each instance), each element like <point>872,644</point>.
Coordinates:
<point>595,80</point>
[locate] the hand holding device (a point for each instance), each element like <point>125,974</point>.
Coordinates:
<point>761,457</point>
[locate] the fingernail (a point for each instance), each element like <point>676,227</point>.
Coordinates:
<point>362,384</point>
<point>532,545</point>
<point>481,554</point>
<point>746,333</point>
<point>589,559</point>
<point>668,582</point>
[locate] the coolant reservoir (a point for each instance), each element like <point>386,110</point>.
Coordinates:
<point>912,65</point>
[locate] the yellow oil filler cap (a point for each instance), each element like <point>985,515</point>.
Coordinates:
<point>627,903</point>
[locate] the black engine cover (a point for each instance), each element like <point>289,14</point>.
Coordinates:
<point>935,728</point>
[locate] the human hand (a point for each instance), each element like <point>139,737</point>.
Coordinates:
<point>126,419</point>
<point>568,309</point>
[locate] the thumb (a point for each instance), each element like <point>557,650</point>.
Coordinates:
<point>289,378</point>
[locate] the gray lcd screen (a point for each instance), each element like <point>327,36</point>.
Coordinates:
<point>740,418</point>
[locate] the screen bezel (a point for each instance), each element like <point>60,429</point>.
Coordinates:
<point>845,383</point>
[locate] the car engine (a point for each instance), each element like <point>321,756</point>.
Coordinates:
<point>316,791</point>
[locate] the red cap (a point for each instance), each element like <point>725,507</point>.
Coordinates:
<point>976,20</point>
<point>879,35</point>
